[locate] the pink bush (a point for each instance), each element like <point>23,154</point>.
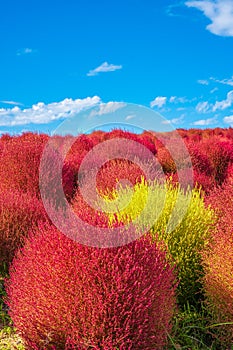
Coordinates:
<point>65,295</point>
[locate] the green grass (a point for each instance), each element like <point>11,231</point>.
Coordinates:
<point>195,329</point>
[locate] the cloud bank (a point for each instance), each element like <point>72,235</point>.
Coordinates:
<point>42,113</point>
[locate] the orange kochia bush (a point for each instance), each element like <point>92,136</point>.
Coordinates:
<point>218,261</point>
<point>64,295</point>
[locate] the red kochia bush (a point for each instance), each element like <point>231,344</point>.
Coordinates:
<point>19,162</point>
<point>220,154</point>
<point>220,199</point>
<point>116,170</point>
<point>19,212</point>
<point>145,139</point>
<point>199,159</point>
<point>64,295</point>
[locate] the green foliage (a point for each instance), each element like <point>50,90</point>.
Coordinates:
<point>177,217</point>
<point>10,340</point>
<point>193,328</point>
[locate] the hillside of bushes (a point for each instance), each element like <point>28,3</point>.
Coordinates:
<point>133,251</point>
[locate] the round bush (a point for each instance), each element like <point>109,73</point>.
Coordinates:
<point>218,282</point>
<point>218,262</point>
<point>63,295</point>
<point>19,212</point>
<point>169,204</point>
<point>19,162</point>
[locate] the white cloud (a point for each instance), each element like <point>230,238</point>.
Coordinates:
<point>25,51</point>
<point>214,90</point>
<point>109,107</point>
<point>174,120</point>
<point>228,120</point>
<point>221,105</point>
<point>130,116</point>
<point>14,103</point>
<point>173,10</point>
<point>203,82</point>
<point>159,102</point>
<point>172,99</point>
<point>175,99</point>
<point>204,122</point>
<point>103,68</point>
<point>206,107</point>
<point>203,107</point>
<point>220,12</point>
<point>224,81</point>
<point>41,113</point>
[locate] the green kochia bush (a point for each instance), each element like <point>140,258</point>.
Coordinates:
<point>189,237</point>
<point>177,217</point>
<point>63,295</point>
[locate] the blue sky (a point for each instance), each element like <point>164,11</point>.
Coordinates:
<point>58,57</point>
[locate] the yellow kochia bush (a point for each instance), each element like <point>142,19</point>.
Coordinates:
<point>173,215</point>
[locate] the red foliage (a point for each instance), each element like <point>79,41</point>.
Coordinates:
<point>65,295</point>
<point>88,213</point>
<point>111,169</point>
<point>19,162</point>
<point>114,171</point>
<point>56,177</point>
<point>220,154</point>
<point>230,173</point>
<point>218,261</point>
<point>19,212</point>
<point>199,158</point>
<point>220,199</point>
<point>218,281</point>
<point>145,139</point>
<point>166,160</point>
<point>80,147</point>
